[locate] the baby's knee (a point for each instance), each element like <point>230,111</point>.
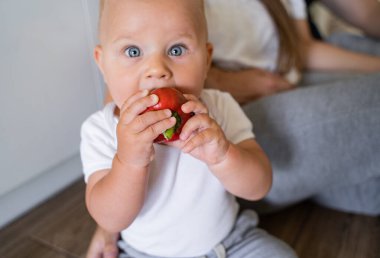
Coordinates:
<point>276,248</point>
<point>261,244</point>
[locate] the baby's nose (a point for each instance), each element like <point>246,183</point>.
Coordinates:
<point>157,69</point>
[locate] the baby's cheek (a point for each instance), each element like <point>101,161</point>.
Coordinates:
<point>119,96</point>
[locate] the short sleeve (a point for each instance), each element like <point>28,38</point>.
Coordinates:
<point>296,8</point>
<point>98,145</point>
<point>229,115</point>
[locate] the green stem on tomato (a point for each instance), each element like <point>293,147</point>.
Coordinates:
<point>168,134</point>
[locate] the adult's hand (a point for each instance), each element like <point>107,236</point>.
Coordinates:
<point>247,85</point>
<point>103,245</point>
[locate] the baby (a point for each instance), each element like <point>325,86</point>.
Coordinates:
<point>176,199</point>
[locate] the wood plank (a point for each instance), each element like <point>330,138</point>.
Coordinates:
<point>27,247</point>
<point>62,227</point>
<point>71,230</point>
<point>35,221</point>
<point>287,223</point>
<point>59,202</point>
<point>332,234</point>
<point>362,238</point>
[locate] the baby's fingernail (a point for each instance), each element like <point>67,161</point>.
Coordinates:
<point>168,112</point>
<point>154,98</point>
<point>145,92</point>
<point>183,107</point>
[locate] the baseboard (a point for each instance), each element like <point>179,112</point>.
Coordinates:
<point>29,195</point>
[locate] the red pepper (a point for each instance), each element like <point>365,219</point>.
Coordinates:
<point>170,98</point>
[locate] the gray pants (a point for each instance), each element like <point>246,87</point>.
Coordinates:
<point>244,241</point>
<point>323,139</point>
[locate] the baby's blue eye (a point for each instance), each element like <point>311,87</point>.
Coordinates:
<point>177,50</point>
<point>132,52</point>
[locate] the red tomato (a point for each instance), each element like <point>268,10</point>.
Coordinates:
<point>170,98</point>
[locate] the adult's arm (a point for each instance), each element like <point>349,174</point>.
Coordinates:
<point>363,14</point>
<point>323,56</point>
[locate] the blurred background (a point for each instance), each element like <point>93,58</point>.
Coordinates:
<point>49,86</point>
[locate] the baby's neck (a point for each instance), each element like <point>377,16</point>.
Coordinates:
<point>116,111</point>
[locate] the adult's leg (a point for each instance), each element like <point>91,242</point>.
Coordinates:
<point>361,198</point>
<point>319,138</point>
<point>368,192</point>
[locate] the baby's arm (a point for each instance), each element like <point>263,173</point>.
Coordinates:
<point>245,170</point>
<point>115,196</point>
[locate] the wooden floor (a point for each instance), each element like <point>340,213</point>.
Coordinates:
<point>61,228</point>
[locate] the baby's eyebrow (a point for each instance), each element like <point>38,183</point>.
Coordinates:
<point>122,39</point>
<point>186,35</point>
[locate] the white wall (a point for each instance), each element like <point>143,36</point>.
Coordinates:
<point>48,85</point>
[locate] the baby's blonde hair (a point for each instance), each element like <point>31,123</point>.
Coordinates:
<point>201,10</point>
<point>101,7</point>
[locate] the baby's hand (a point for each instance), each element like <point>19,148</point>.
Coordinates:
<point>136,132</point>
<point>201,136</point>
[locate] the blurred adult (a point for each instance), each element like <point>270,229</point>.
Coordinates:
<point>310,133</point>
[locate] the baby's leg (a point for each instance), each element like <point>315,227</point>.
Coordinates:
<point>248,241</point>
<point>320,138</point>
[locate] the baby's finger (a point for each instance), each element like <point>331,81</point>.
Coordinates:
<point>151,132</point>
<point>195,124</point>
<point>133,98</point>
<point>132,111</point>
<point>149,118</point>
<point>195,106</point>
<point>199,139</point>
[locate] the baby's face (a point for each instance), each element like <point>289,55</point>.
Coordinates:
<point>148,44</point>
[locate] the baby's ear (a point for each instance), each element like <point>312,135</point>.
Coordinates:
<point>209,50</point>
<point>98,55</point>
